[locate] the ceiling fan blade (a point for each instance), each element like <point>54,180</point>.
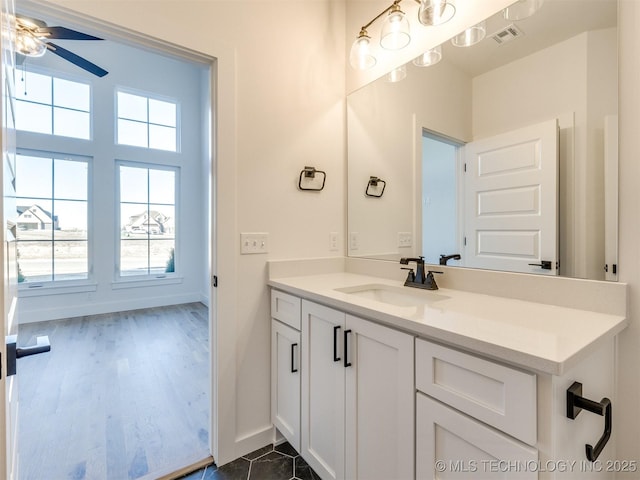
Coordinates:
<point>63,33</point>
<point>77,60</point>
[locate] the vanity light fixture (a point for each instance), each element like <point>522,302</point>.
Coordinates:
<point>522,9</point>
<point>471,35</point>
<point>429,58</point>
<point>395,29</point>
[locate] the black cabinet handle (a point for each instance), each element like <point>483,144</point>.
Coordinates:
<point>336,358</point>
<point>293,358</point>
<point>576,402</point>
<point>347,363</point>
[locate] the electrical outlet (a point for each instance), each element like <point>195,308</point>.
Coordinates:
<point>333,242</point>
<point>405,239</point>
<point>251,243</point>
<point>354,241</point>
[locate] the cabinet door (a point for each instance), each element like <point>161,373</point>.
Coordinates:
<point>285,381</point>
<point>379,402</point>
<point>323,390</point>
<point>450,445</point>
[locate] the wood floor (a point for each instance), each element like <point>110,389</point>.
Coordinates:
<point>119,396</point>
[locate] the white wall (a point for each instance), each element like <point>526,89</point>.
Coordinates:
<point>147,73</point>
<point>279,91</point>
<point>626,421</point>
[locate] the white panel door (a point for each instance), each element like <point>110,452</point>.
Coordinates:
<point>511,200</point>
<point>285,381</point>
<point>323,386</point>
<point>450,445</point>
<point>379,402</point>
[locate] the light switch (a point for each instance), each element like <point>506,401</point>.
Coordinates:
<point>251,243</point>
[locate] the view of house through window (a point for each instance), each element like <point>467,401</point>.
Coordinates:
<point>52,201</point>
<point>147,219</point>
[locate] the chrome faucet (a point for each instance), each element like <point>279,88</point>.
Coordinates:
<point>419,279</point>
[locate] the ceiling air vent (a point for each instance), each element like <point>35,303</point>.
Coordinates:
<point>508,33</point>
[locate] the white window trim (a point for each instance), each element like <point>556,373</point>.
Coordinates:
<point>29,289</point>
<point>148,96</point>
<point>62,76</point>
<point>154,278</point>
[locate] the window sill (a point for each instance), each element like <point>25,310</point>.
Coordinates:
<point>41,289</point>
<point>134,282</point>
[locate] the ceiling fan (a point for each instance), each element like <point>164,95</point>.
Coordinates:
<point>32,40</point>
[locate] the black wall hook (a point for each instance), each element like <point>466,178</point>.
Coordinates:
<point>576,402</point>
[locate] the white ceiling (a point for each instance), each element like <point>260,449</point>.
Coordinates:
<point>556,21</point>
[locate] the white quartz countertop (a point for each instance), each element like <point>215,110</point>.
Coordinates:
<point>535,336</point>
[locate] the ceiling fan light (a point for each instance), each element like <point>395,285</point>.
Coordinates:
<point>436,12</point>
<point>29,45</point>
<point>395,30</point>
<point>521,9</point>
<point>471,35</point>
<point>429,58</point>
<point>360,56</point>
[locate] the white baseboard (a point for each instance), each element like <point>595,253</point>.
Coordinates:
<point>79,310</point>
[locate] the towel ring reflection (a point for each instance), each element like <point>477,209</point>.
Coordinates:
<point>374,182</point>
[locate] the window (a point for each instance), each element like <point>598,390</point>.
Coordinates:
<point>52,200</point>
<point>147,122</point>
<point>53,106</point>
<point>147,219</point>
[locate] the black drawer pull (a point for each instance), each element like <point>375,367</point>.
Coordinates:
<point>336,358</point>
<point>293,358</point>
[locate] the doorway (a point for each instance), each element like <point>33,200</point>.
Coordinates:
<point>138,287</point>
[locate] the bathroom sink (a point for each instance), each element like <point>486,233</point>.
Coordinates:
<point>398,296</point>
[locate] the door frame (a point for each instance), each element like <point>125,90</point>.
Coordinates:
<point>220,346</point>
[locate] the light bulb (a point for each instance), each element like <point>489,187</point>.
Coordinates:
<point>360,57</point>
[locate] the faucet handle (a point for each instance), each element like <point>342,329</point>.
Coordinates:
<point>411,276</point>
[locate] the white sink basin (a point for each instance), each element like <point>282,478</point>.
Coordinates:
<point>398,296</point>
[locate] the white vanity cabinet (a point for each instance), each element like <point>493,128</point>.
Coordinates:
<point>285,366</point>
<point>468,411</point>
<point>357,397</point>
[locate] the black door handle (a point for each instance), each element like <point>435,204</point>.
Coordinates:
<point>336,358</point>
<point>14,352</point>
<point>347,363</point>
<point>544,264</point>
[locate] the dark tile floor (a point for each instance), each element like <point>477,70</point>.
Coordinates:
<point>281,462</point>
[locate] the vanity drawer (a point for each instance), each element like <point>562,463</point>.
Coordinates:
<point>286,308</point>
<point>500,396</point>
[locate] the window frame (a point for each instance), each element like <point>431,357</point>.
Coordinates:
<point>148,279</point>
<point>51,287</point>
<point>148,96</point>
<point>56,74</point>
